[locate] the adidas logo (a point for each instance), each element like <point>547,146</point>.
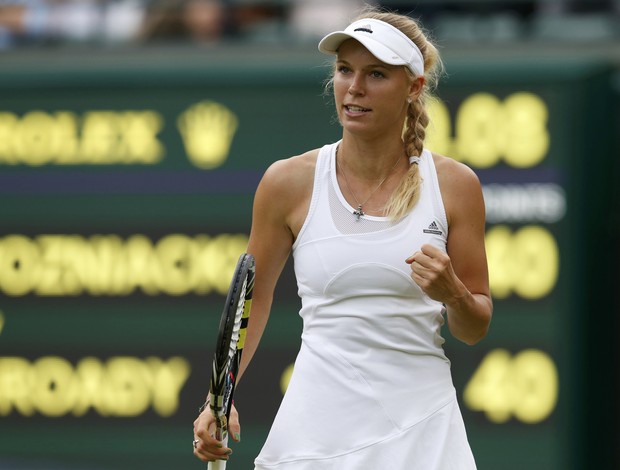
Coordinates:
<point>432,228</point>
<point>365,28</point>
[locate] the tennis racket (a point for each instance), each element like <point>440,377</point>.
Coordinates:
<point>228,348</point>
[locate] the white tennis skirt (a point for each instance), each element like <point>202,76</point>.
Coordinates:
<point>438,442</point>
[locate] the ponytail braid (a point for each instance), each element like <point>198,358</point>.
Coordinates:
<point>407,193</point>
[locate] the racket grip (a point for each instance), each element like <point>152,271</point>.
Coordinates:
<point>219,464</point>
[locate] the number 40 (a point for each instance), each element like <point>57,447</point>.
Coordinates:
<point>525,386</point>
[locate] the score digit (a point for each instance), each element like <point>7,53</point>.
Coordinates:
<point>525,386</point>
<point>526,262</point>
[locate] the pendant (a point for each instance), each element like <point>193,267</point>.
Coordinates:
<point>358,213</point>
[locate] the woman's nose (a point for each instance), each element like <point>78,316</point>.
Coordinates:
<point>356,86</point>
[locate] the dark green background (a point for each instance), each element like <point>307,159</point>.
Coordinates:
<point>278,98</point>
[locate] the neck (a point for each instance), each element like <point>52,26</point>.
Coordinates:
<point>370,160</point>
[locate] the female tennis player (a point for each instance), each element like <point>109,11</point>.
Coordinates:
<point>388,243</point>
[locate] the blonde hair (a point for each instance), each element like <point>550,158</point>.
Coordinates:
<point>406,195</point>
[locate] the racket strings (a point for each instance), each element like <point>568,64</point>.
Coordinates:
<point>236,332</point>
<point>224,380</point>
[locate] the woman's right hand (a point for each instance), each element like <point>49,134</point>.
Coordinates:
<point>206,447</point>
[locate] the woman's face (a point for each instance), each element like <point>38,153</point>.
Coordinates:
<point>370,95</point>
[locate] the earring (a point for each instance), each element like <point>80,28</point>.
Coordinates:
<point>409,100</point>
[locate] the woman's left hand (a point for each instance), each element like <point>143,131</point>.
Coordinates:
<point>431,269</point>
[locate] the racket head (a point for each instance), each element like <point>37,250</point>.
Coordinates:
<point>230,341</point>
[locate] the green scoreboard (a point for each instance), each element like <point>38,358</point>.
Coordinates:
<point>126,187</point>
<point>526,127</point>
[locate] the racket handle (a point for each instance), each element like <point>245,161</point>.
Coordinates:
<point>219,464</point>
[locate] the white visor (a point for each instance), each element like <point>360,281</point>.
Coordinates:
<point>384,41</point>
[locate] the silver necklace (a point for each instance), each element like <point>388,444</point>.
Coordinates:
<point>359,211</point>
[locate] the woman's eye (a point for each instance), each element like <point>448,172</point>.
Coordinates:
<point>376,74</point>
<point>343,69</point>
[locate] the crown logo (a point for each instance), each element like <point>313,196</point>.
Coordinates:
<point>207,129</point>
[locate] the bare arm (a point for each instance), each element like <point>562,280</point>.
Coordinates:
<point>271,240</point>
<point>460,278</point>
<point>280,206</point>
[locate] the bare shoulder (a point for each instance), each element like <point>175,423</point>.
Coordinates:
<point>290,176</point>
<point>450,172</point>
<point>460,186</point>
<point>293,169</point>
<point>285,190</point>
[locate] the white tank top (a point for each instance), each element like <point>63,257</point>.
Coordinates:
<point>371,360</point>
